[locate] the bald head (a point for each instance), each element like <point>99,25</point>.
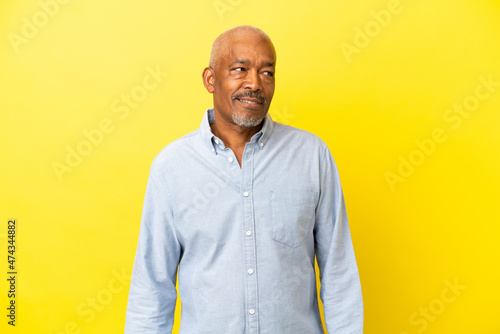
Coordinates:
<point>220,47</point>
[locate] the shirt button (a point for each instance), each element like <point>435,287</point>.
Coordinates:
<point>250,271</point>
<point>261,144</point>
<point>230,159</point>
<point>249,233</point>
<point>252,311</point>
<point>217,141</point>
<point>245,194</point>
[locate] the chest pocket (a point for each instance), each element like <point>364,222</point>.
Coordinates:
<point>293,214</point>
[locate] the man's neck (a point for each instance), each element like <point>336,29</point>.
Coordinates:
<point>233,135</point>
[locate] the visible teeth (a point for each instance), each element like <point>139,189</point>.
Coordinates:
<point>249,101</point>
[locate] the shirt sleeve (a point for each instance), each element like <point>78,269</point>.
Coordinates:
<point>152,295</point>
<point>340,285</point>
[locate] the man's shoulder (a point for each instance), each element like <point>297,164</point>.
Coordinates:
<point>292,134</point>
<point>174,149</point>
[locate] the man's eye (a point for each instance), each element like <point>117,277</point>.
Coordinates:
<point>269,73</point>
<point>240,69</point>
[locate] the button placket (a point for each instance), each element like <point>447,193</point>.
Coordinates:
<point>251,292</point>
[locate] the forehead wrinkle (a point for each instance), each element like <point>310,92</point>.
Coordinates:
<point>241,61</point>
<point>247,62</point>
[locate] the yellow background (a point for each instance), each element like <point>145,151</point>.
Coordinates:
<point>77,231</point>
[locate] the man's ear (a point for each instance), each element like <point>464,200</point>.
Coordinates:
<point>209,79</point>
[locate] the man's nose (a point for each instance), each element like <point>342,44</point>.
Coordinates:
<point>252,81</point>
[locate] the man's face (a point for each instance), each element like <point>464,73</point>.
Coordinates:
<point>244,81</point>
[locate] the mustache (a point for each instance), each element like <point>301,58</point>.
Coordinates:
<point>251,94</point>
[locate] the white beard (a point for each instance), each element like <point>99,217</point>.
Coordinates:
<point>246,122</point>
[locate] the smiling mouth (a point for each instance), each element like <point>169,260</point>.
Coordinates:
<point>250,104</point>
<point>248,101</point>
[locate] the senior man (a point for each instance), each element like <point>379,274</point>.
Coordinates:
<point>239,209</point>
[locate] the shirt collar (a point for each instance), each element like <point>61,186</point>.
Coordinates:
<point>260,137</point>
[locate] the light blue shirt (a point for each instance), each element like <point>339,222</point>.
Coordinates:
<point>243,240</point>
